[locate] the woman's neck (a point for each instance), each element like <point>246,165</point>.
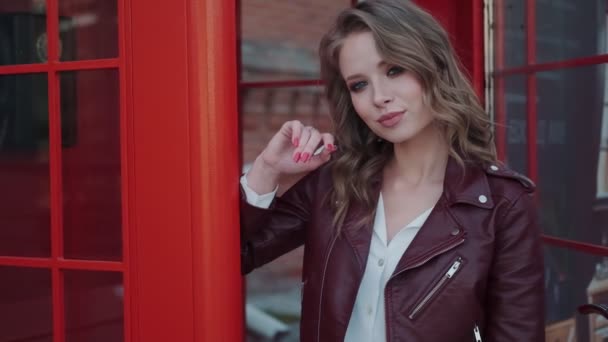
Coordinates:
<point>420,160</point>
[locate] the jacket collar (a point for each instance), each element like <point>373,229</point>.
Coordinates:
<point>468,185</point>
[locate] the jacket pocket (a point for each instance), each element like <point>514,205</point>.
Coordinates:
<point>434,291</point>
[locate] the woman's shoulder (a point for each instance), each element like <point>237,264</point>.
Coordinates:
<point>506,182</point>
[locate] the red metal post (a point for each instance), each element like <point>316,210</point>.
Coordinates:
<point>499,82</point>
<point>215,167</point>
<point>532,120</point>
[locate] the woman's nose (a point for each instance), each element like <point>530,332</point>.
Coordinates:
<point>381,95</point>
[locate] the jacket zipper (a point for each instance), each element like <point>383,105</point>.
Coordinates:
<point>331,247</point>
<point>477,333</point>
<point>458,243</point>
<point>447,276</point>
<point>386,307</point>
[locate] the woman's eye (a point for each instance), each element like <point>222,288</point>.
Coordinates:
<point>356,86</point>
<point>393,71</point>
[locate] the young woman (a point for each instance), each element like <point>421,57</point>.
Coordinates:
<point>412,230</point>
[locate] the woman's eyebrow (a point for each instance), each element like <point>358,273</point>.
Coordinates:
<point>381,64</point>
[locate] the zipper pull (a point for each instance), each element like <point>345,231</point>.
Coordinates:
<point>454,268</point>
<point>477,333</point>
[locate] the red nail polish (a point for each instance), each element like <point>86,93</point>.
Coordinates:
<point>331,147</point>
<point>296,142</point>
<point>296,157</point>
<point>305,156</point>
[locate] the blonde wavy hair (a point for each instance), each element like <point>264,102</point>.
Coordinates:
<point>406,36</point>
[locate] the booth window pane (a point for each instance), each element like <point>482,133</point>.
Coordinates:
<point>570,107</point>
<point>26,312</point>
<point>93,306</point>
<point>514,109</point>
<point>512,33</point>
<point>279,39</point>
<point>91,165</point>
<point>88,29</point>
<point>570,29</point>
<point>24,166</point>
<point>23,38</point>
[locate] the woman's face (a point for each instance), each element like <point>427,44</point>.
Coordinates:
<point>388,98</point>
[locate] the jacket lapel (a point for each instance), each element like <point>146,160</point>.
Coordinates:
<point>442,232</point>
<point>360,237</point>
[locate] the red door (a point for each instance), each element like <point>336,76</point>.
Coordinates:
<point>118,154</point>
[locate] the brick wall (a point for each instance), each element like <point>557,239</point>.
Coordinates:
<point>279,42</point>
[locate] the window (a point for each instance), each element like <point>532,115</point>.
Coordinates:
<point>550,105</point>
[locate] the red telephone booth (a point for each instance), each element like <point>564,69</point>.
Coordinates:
<point>118,154</point>
<point>124,125</point>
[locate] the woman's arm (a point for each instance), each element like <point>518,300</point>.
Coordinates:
<point>267,233</point>
<point>515,302</point>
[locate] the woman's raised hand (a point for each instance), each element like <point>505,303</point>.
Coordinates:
<point>290,151</point>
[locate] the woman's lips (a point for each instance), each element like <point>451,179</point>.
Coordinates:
<point>391,119</point>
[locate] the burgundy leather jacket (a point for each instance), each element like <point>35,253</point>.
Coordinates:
<point>485,219</point>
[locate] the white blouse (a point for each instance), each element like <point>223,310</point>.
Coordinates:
<point>367,322</point>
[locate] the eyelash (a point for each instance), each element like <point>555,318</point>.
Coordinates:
<point>392,72</point>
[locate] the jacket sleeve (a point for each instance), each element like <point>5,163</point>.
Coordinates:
<point>269,233</point>
<point>515,302</point>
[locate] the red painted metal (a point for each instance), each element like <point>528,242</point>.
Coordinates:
<point>500,117</point>
<point>26,262</point>
<point>478,48</point>
<point>125,178</point>
<point>110,63</point>
<point>277,84</point>
<point>61,263</point>
<point>55,172</point>
<point>532,118</point>
<point>565,64</point>
<point>575,245</point>
<point>24,68</point>
<point>92,265</point>
<point>215,166</point>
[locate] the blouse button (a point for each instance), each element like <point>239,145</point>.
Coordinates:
<point>482,199</point>
<point>381,262</point>
<point>494,168</point>
<point>455,232</point>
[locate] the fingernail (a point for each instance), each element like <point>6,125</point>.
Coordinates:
<point>331,147</point>
<point>305,156</point>
<point>296,157</point>
<point>296,142</point>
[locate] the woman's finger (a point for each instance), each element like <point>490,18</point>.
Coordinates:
<point>311,145</point>
<point>303,140</point>
<point>295,127</point>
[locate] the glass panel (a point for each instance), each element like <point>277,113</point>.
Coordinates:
<point>279,39</point>
<point>93,306</point>
<point>516,124</point>
<point>264,110</point>
<point>571,103</point>
<point>511,34</point>
<point>570,29</point>
<point>24,166</point>
<point>25,305</point>
<point>22,32</point>
<point>89,29</point>
<point>91,165</point>
<point>572,279</point>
